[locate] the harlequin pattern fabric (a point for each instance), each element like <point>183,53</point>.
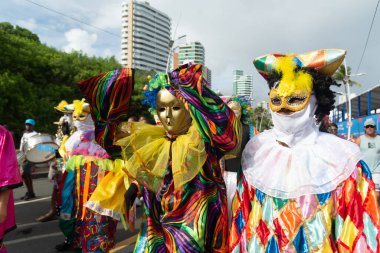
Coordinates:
<point>326,61</point>
<point>346,219</point>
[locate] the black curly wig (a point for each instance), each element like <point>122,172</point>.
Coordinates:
<point>321,90</point>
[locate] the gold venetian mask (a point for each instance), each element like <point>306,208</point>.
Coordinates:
<point>172,113</point>
<point>236,107</point>
<point>294,90</point>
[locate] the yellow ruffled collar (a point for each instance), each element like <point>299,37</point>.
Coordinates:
<point>147,154</point>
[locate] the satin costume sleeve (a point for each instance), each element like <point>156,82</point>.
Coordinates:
<point>346,219</point>
<point>9,171</point>
<point>216,121</point>
<point>9,178</point>
<point>109,95</point>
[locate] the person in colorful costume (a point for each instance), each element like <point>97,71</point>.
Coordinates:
<point>231,162</point>
<point>87,163</point>
<point>55,166</point>
<point>302,190</point>
<point>176,167</point>
<point>10,178</point>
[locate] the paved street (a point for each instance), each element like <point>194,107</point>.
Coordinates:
<point>32,236</point>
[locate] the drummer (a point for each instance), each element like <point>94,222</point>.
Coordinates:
<point>27,166</point>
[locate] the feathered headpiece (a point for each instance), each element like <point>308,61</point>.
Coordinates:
<point>158,82</point>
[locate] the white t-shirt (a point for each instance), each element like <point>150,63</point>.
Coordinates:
<point>24,139</point>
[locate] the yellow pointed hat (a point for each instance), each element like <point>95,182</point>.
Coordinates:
<point>61,107</point>
<point>325,61</point>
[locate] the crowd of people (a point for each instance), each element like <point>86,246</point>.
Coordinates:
<point>205,181</point>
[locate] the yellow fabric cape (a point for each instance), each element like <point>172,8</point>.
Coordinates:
<point>149,150</point>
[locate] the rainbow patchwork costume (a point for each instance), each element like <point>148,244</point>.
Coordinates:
<point>185,204</point>
<point>302,191</point>
<point>88,164</point>
<point>343,220</point>
<point>193,217</point>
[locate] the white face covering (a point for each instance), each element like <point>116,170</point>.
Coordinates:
<point>290,129</point>
<point>84,125</point>
<point>314,162</point>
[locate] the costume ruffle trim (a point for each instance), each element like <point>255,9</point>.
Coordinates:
<point>147,152</point>
<point>80,160</point>
<point>304,169</point>
<point>102,211</point>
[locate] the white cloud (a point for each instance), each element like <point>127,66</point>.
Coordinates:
<point>29,24</point>
<point>80,40</point>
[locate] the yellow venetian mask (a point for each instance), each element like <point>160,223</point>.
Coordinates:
<point>294,90</point>
<point>81,110</point>
<point>172,113</point>
<point>236,107</point>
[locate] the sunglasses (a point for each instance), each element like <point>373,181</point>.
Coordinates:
<point>369,126</point>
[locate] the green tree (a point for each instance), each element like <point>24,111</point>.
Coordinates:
<point>34,78</point>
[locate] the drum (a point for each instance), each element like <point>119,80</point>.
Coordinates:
<point>40,148</point>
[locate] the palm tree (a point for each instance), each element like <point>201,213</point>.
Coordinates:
<point>341,76</point>
<point>261,118</point>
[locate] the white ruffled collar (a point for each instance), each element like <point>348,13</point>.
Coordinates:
<point>316,164</point>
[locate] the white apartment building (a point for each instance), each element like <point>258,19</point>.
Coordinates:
<point>193,52</point>
<point>242,84</point>
<point>145,36</point>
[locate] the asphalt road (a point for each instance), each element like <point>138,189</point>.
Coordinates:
<point>37,237</point>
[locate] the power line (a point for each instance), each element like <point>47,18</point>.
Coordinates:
<point>72,18</point>
<point>369,33</point>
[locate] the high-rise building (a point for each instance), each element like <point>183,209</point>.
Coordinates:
<point>206,73</point>
<point>242,84</point>
<point>193,52</point>
<point>145,36</point>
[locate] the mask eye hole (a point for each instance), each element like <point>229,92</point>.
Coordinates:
<point>296,100</point>
<point>276,101</point>
<point>176,108</point>
<point>161,109</point>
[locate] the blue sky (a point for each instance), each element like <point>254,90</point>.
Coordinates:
<point>232,32</point>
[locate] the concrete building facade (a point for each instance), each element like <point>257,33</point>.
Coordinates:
<point>145,36</point>
<point>242,84</point>
<point>192,52</point>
